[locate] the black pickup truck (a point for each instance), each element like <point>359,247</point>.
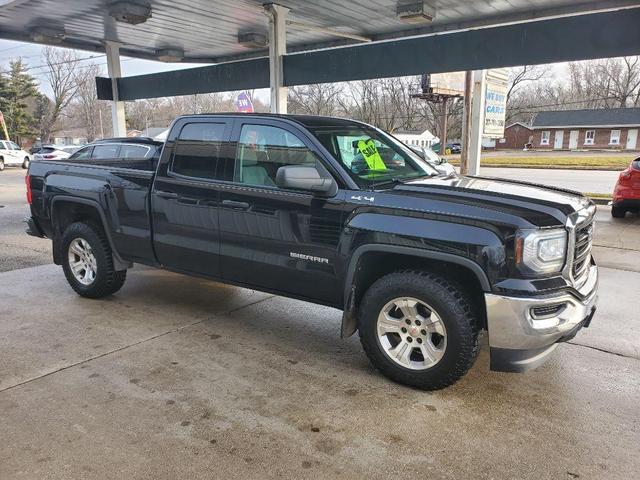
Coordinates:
<point>338,213</point>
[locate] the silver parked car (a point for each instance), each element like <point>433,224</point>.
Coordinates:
<point>434,159</point>
<point>56,152</point>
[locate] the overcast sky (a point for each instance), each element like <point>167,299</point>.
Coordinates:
<point>32,55</point>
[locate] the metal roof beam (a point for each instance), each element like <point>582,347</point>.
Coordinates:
<point>580,37</point>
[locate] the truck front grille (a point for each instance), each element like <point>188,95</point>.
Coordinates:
<point>582,249</point>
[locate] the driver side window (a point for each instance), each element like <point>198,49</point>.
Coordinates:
<point>263,149</point>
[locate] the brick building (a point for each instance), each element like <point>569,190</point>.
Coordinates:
<point>516,136</point>
<point>613,128</point>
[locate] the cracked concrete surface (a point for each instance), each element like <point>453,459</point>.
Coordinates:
<point>178,377</point>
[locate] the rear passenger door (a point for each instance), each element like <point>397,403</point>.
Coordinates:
<point>272,238</point>
<point>184,198</point>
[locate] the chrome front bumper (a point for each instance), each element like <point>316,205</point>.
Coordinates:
<point>519,339</point>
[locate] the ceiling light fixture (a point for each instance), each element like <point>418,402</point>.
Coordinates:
<point>129,12</point>
<point>253,39</point>
<point>48,35</point>
<point>412,11</point>
<point>170,54</point>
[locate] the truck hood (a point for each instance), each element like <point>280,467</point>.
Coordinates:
<point>538,205</point>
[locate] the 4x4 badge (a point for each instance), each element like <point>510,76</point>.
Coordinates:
<point>360,198</point>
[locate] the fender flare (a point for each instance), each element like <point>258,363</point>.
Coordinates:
<point>118,262</point>
<point>349,320</point>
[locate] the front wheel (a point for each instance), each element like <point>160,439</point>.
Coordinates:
<point>25,163</point>
<point>418,329</point>
<point>1,164</point>
<point>88,262</point>
<point>617,212</point>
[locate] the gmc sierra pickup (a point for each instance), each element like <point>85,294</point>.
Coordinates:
<point>338,213</point>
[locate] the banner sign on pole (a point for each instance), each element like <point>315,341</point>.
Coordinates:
<point>4,127</point>
<point>495,107</point>
<point>244,103</point>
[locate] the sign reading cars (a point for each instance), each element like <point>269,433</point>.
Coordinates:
<point>495,104</point>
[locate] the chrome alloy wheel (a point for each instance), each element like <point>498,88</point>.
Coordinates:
<point>82,261</point>
<point>411,333</point>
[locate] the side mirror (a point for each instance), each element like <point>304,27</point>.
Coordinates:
<point>442,161</point>
<point>302,177</point>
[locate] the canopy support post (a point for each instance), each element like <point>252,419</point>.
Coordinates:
<point>277,49</point>
<point>112,50</point>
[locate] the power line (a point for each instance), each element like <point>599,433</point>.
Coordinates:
<point>13,48</point>
<point>47,69</point>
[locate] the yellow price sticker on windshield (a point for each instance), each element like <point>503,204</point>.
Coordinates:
<point>371,155</point>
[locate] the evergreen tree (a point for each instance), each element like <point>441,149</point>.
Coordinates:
<point>16,88</point>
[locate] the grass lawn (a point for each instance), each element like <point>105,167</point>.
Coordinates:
<point>613,162</point>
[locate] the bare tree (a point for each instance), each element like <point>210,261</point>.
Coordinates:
<point>62,74</point>
<point>317,99</point>
<point>519,78</point>
<point>90,111</point>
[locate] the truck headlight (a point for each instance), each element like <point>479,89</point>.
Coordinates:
<point>541,251</point>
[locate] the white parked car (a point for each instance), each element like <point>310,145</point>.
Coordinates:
<point>56,152</point>
<point>12,155</point>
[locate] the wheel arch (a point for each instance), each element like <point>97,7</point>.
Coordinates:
<point>79,209</point>
<point>370,262</point>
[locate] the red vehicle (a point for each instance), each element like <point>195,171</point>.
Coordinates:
<point>626,194</point>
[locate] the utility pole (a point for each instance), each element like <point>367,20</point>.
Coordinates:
<point>101,126</point>
<point>438,94</point>
<point>466,123</point>
<point>443,125</point>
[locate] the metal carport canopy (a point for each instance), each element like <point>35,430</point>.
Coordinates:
<point>586,36</point>
<point>327,40</point>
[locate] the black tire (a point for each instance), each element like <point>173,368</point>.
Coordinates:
<point>107,280</point>
<point>1,164</point>
<point>25,163</point>
<point>617,212</point>
<point>454,308</point>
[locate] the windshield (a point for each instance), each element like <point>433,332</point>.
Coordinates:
<point>371,156</point>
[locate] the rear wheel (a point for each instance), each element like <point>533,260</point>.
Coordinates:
<point>618,212</point>
<point>418,329</point>
<point>25,163</point>
<point>88,262</point>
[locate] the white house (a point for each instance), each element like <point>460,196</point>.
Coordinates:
<point>416,137</point>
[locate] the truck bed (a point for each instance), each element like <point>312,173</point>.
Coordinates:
<point>117,190</point>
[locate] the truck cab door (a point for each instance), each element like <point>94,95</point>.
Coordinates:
<point>184,197</point>
<point>277,240</point>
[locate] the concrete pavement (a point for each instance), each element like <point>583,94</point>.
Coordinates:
<point>176,377</point>
<point>17,249</point>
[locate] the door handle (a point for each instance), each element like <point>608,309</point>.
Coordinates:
<point>167,194</point>
<point>235,205</point>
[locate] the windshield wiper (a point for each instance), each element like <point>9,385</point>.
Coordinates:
<point>402,180</point>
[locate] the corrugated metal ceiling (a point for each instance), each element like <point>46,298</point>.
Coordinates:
<point>207,31</point>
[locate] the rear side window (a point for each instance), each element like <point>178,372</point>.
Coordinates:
<point>106,151</point>
<point>129,151</point>
<point>199,150</point>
